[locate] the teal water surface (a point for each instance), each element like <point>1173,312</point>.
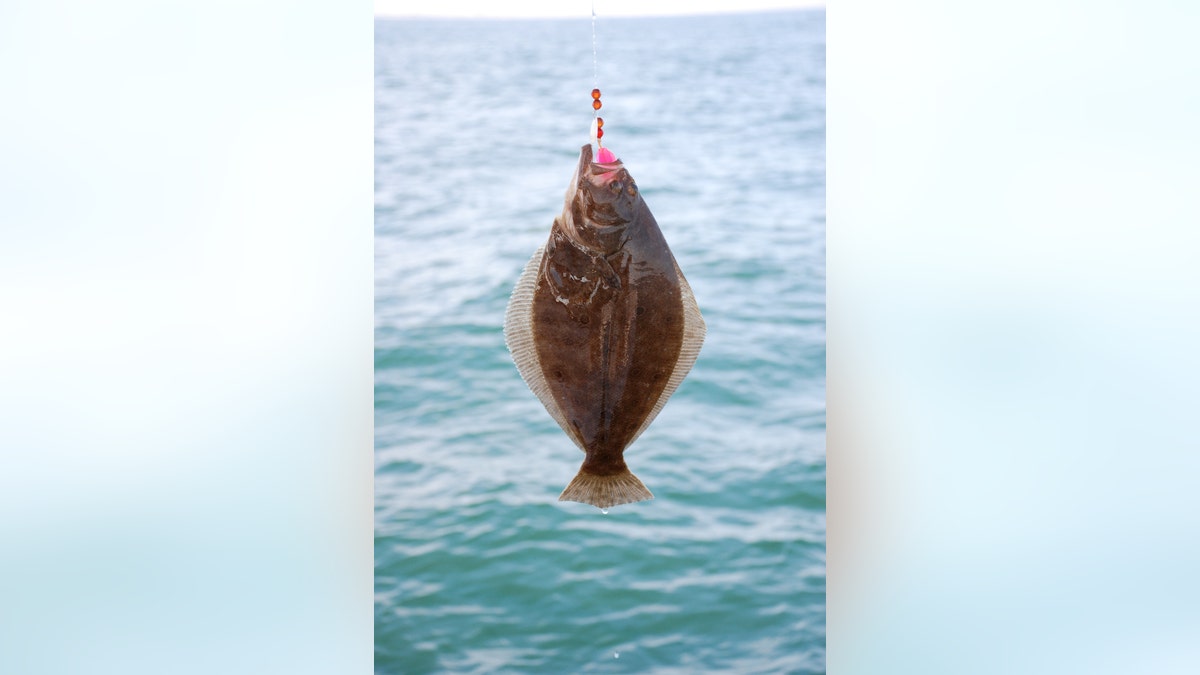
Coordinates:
<point>478,567</point>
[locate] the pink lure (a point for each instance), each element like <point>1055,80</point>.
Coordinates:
<point>605,157</point>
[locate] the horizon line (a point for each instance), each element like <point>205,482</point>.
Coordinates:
<point>817,4</point>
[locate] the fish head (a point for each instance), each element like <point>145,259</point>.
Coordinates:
<point>601,203</point>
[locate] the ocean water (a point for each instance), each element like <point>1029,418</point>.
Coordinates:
<point>478,567</point>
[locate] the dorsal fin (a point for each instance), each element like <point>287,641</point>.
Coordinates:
<point>518,335</point>
<point>693,337</point>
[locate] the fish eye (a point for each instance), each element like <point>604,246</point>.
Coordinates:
<point>616,186</point>
<point>632,189</point>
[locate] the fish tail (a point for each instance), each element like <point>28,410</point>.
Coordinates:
<point>605,491</point>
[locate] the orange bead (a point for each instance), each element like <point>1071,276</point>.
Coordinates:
<point>596,104</point>
<point>599,122</point>
<point>599,133</point>
<point>595,93</point>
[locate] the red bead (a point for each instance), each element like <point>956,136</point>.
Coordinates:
<point>596,104</point>
<point>599,122</point>
<point>599,133</point>
<point>595,93</point>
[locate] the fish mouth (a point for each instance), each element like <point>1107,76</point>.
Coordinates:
<point>597,174</point>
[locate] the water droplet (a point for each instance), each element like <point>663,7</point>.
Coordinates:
<point>616,655</point>
<point>604,511</point>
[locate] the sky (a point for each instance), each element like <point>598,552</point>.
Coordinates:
<point>580,8</point>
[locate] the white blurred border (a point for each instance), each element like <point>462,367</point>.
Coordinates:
<point>1014,314</point>
<point>185,337</point>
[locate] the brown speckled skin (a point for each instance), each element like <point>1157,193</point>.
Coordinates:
<point>608,351</point>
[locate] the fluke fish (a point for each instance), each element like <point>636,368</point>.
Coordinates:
<point>602,324</point>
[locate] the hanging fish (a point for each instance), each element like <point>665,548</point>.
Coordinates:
<point>603,326</point>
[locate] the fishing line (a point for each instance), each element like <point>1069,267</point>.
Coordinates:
<point>597,132</point>
<point>595,81</point>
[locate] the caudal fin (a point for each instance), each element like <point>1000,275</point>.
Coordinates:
<point>605,491</point>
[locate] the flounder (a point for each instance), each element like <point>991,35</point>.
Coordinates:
<point>603,326</point>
